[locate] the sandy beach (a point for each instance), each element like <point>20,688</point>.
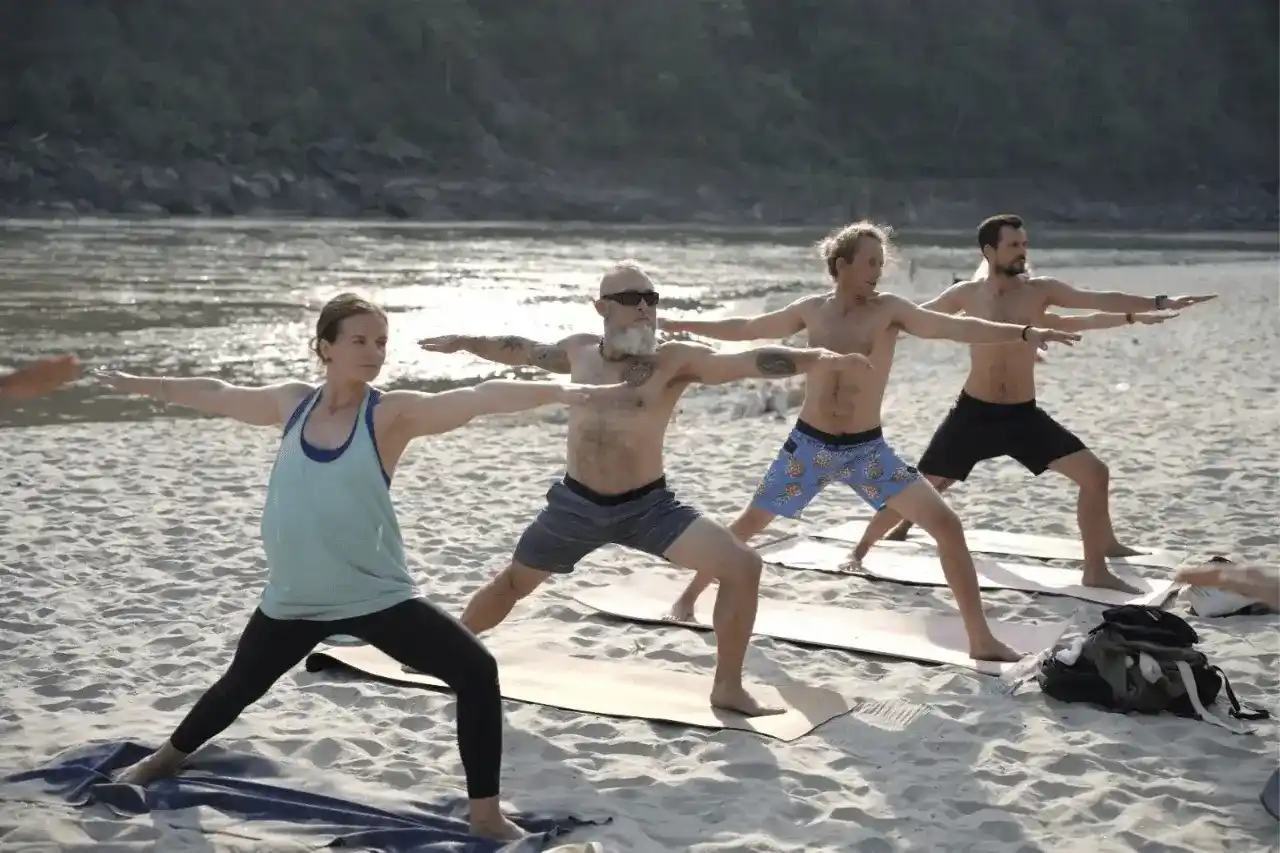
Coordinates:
<point>131,560</point>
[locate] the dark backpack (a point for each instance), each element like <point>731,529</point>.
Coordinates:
<point>1108,671</point>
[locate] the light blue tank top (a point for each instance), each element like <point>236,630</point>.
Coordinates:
<point>329,529</point>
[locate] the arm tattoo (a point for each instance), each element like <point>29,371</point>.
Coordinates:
<point>551,358</point>
<point>512,343</point>
<point>773,363</point>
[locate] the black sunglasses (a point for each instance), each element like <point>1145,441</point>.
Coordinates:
<point>632,298</point>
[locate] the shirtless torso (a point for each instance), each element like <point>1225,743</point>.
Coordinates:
<point>1000,373</point>
<point>842,402</point>
<point>996,412</point>
<point>620,448</point>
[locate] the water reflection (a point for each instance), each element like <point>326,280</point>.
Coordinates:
<point>238,299</point>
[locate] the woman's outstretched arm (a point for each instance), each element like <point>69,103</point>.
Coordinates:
<point>262,405</point>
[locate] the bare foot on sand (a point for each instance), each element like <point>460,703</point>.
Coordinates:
<point>498,828</point>
<point>143,773</point>
<point>1105,580</point>
<point>681,611</point>
<point>736,698</point>
<point>853,565</point>
<point>992,649</point>
<point>1118,550</point>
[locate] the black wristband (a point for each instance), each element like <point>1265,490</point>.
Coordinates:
<point>1161,300</point>
<point>1128,318</point>
<point>1025,329</point>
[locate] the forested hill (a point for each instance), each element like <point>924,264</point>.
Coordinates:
<point>664,109</point>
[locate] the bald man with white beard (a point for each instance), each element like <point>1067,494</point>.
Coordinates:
<point>614,490</point>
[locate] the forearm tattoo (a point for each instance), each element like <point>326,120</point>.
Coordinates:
<point>513,349</point>
<point>774,363</point>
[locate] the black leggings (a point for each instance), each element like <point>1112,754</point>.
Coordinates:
<point>416,633</point>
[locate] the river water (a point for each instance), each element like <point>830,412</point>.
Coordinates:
<point>238,299</point>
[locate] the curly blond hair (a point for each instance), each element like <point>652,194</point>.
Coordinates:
<point>843,243</point>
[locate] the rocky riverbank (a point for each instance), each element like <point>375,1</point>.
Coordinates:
<point>398,180</point>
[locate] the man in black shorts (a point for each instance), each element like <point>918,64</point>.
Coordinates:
<point>614,491</point>
<point>996,413</point>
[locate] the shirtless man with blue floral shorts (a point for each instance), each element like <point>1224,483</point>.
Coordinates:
<point>838,437</point>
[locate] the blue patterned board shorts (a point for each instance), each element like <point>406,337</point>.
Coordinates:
<point>810,460</point>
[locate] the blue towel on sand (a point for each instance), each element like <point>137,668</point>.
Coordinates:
<point>1271,795</point>
<point>225,782</point>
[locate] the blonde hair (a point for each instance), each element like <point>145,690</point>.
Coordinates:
<point>843,243</point>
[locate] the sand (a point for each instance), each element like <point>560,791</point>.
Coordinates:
<point>131,561</point>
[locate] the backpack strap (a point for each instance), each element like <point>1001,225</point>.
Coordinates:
<point>1193,695</point>
<point>1239,711</point>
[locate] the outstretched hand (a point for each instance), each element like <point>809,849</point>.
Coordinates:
<point>672,330</point>
<point>112,378</point>
<point>1043,337</point>
<point>1151,318</point>
<point>1175,303</point>
<point>43,377</point>
<point>442,343</point>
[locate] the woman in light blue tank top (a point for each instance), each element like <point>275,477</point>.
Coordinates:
<point>335,557</point>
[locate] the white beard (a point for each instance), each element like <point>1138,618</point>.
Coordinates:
<point>634,340</point>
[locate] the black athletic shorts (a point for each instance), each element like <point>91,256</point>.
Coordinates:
<point>975,430</point>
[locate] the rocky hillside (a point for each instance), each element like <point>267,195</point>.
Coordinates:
<point>1159,113</point>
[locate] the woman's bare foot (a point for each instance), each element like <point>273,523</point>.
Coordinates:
<point>1118,550</point>
<point>162,763</point>
<point>144,772</point>
<point>734,697</point>
<point>991,649</point>
<point>1103,579</point>
<point>488,821</point>
<point>497,829</point>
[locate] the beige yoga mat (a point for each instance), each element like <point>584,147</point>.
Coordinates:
<point>612,688</point>
<point>919,566</point>
<point>916,636</point>
<point>983,541</point>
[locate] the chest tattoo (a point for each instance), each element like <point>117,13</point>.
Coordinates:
<point>638,373</point>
